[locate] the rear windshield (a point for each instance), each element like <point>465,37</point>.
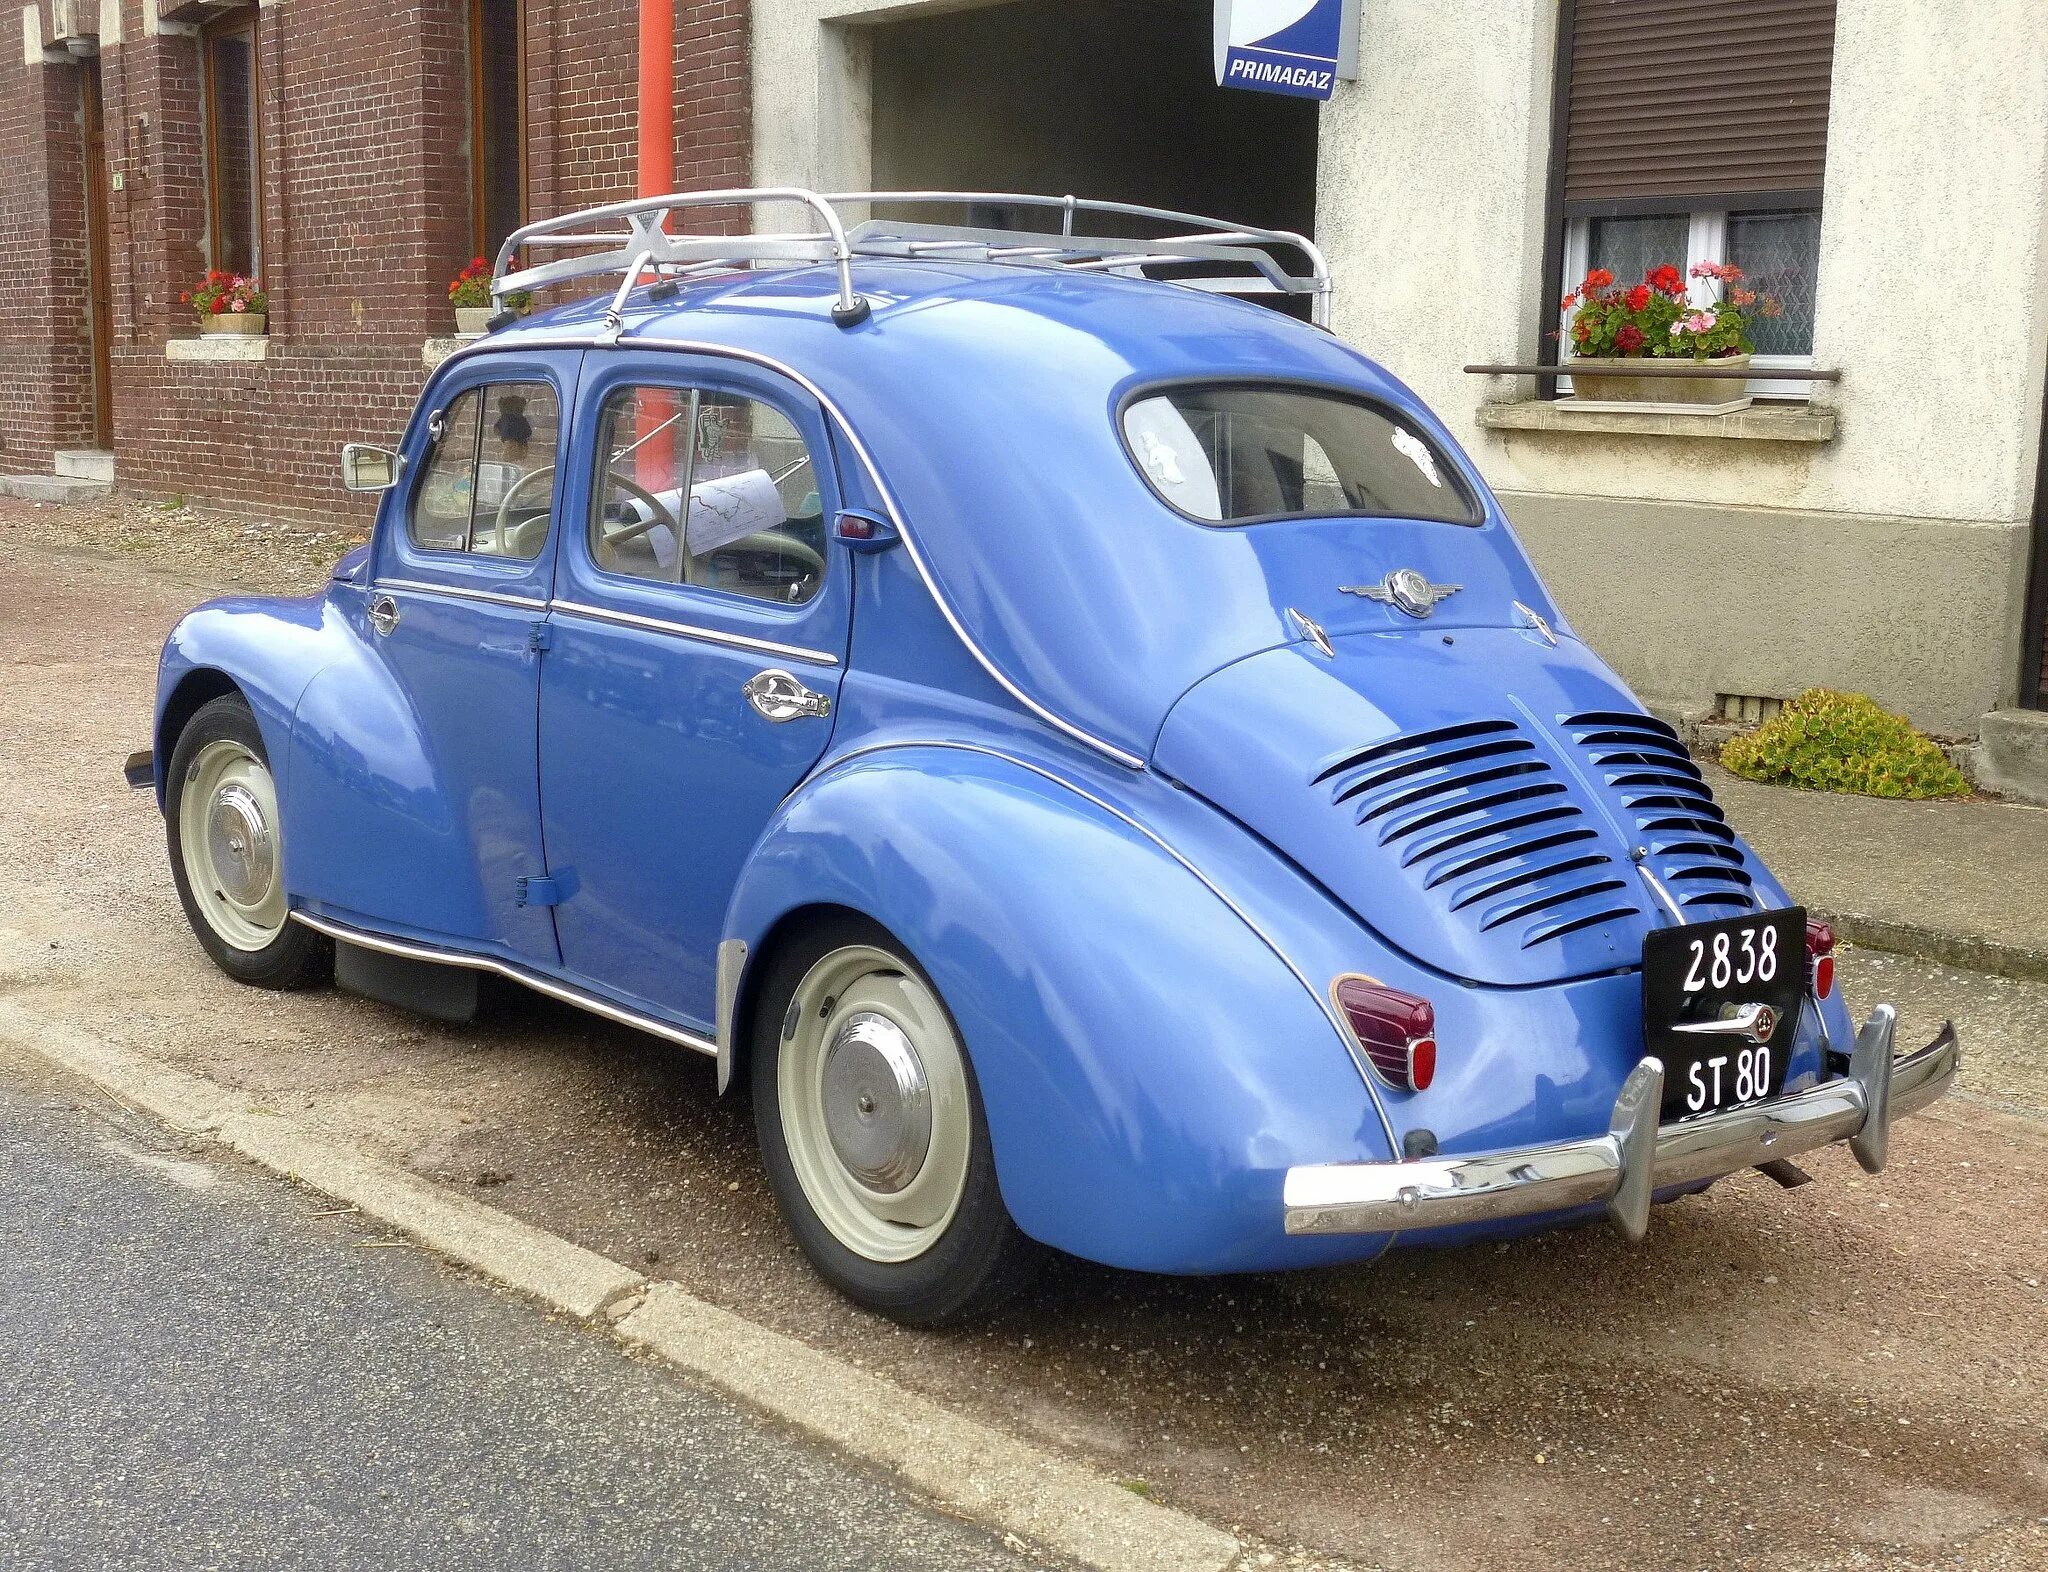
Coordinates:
<point>1245,455</point>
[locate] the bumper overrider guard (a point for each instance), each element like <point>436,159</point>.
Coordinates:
<point>1636,1158</point>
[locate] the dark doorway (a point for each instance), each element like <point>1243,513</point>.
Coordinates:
<point>100,284</point>
<point>1114,99</point>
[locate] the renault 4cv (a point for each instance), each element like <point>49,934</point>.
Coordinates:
<point>1084,746</point>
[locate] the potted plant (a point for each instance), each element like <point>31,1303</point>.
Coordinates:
<point>229,303</point>
<point>1618,328</point>
<point>470,294</point>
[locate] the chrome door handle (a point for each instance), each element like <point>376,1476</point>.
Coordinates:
<point>383,613</point>
<point>778,696</point>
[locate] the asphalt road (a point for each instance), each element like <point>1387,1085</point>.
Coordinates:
<point>198,1369</point>
<point>1847,1376</point>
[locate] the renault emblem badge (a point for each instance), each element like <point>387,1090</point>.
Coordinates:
<point>1406,590</point>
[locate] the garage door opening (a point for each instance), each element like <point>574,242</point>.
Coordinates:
<point>1114,99</point>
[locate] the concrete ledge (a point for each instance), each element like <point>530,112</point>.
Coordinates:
<point>232,347</point>
<point>516,1253</point>
<point>2011,756</point>
<point>52,488</point>
<point>1758,423</point>
<point>957,1461</point>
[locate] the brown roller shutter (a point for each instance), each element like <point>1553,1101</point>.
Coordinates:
<point>1696,98</point>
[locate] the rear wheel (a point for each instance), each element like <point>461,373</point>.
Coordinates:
<point>873,1134</point>
<point>220,812</point>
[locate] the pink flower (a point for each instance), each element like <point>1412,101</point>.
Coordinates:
<point>239,305</point>
<point>1700,322</point>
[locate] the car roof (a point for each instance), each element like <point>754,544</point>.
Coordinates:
<point>986,396</point>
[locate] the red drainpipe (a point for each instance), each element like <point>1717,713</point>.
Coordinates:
<point>657,97</point>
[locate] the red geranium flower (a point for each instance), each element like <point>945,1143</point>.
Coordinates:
<point>1639,297</point>
<point>1599,278</point>
<point>1569,301</point>
<point>220,305</point>
<point>1666,280</point>
<point>1629,339</point>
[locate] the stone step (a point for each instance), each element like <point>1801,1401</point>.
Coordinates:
<point>86,464</point>
<point>2012,754</point>
<point>53,488</point>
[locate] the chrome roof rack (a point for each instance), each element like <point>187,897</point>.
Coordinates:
<point>630,240</point>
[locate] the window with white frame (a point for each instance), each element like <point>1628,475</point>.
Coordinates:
<point>1697,133</point>
<point>1778,250</point>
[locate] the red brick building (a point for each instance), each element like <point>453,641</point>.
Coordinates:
<point>351,157</point>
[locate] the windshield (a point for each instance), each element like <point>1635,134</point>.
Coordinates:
<point>1247,455</point>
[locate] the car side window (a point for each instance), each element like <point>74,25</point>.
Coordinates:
<point>710,489</point>
<point>488,484</point>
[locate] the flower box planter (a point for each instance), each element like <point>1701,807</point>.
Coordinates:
<point>1618,385</point>
<point>473,321</point>
<point>247,324</point>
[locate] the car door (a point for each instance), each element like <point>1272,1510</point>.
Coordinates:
<point>700,628</point>
<point>448,821</point>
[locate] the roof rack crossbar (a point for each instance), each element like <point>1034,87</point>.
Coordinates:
<point>631,239</point>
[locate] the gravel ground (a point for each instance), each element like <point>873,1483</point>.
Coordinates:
<point>1844,1376</point>
<point>216,551</point>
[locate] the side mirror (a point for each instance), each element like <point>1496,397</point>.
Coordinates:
<point>364,468</point>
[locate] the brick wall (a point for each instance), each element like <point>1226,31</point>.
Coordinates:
<point>45,346</point>
<point>366,208</point>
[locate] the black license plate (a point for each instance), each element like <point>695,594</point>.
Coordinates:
<point>1720,1008</point>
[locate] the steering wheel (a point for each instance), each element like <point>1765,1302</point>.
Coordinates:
<point>658,513</point>
<point>783,546</point>
<point>499,525</point>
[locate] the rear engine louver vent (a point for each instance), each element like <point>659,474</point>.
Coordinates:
<point>1485,825</point>
<point>1647,771</point>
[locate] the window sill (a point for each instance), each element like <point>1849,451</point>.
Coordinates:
<point>436,350</point>
<point>1758,423</point>
<point>233,347</point>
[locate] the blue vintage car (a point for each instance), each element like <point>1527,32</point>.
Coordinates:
<point>1085,748</point>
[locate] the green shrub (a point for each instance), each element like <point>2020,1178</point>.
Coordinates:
<point>1828,741</point>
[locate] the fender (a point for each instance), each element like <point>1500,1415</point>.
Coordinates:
<point>1149,1065</point>
<point>268,648</point>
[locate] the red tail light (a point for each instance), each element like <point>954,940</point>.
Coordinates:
<point>1396,1030</point>
<point>1820,958</point>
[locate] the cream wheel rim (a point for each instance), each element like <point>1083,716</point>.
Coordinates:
<point>227,831</point>
<point>872,1090</point>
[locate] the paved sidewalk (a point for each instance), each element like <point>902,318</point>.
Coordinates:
<point>1961,882</point>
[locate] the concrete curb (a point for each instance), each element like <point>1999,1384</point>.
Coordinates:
<point>960,1463</point>
<point>1966,950</point>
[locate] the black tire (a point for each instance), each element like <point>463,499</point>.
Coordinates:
<point>980,1259</point>
<point>297,957</point>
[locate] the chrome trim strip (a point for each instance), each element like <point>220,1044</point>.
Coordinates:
<point>539,341</point>
<point>1624,1168</point>
<point>1357,1054</point>
<point>460,592</point>
<point>690,630</point>
<point>519,974</point>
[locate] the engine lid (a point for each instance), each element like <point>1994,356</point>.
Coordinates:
<point>1479,797</point>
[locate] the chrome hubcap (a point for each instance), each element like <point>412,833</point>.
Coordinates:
<point>244,856</point>
<point>878,1107</point>
<point>227,817</point>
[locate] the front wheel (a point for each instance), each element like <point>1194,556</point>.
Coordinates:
<point>873,1135</point>
<point>227,854</point>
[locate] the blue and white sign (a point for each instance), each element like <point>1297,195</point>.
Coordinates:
<point>1298,47</point>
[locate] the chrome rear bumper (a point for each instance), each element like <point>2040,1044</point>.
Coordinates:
<point>1637,1157</point>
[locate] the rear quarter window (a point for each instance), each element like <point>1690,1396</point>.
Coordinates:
<point>1229,455</point>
